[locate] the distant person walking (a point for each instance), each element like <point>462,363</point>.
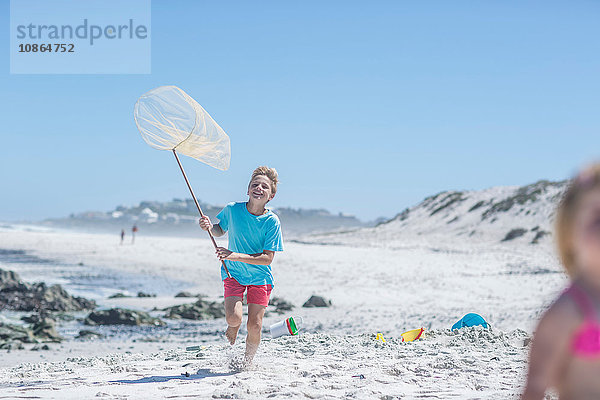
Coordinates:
<point>122,235</point>
<point>134,229</point>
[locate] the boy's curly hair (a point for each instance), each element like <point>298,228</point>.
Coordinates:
<point>587,180</point>
<point>270,173</point>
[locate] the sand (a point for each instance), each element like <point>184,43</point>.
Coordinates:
<point>389,287</point>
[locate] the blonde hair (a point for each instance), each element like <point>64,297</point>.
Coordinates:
<point>270,173</point>
<point>587,180</point>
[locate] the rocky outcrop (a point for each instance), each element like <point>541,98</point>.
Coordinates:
<point>280,305</point>
<point>11,345</point>
<point>118,296</point>
<point>317,301</point>
<point>188,294</point>
<point>514,233</point>
<point>87,334</point>
<point>15,333</point>
<point>200,310</point>
<point>21,296</point>
<point>43,327</point>
<point>121,316</point>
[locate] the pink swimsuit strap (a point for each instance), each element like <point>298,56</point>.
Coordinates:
<point>586,341</point>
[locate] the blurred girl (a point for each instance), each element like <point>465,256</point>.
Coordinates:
<point>565,353</point>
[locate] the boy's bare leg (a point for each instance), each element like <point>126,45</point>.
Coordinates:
<point>233,316</point>
<point>256,312</point>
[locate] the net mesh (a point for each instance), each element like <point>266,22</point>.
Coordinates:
<point>169,119</point>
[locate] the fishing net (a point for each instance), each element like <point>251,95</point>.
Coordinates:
<point>169,119</point>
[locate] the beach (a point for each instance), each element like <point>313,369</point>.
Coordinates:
<point>421,165</point>
<point>375,287</point>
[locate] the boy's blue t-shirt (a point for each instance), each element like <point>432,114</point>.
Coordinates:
<point>250,234</point>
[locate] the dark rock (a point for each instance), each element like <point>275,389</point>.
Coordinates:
<point>10,281</point>
<point>37,317</point>
<point>11,345</point>
<point>38,347</point>
<point>142,294</point>
<point>9,332</point>
<point>539,235</point>
<point>61,316</point>
<point>450,199</point>
<point>476,205</point>
<point>55,298</point>
<point>20,296</point>
<point>188,294</point>
<point>280,305</point>
<point>42,329</point>
<point>199,310</point>
<point>86,334</point>
<point>43,326</point>
<point>45,330</point>
<point>317,301</point>
<point>34,318</point>
<point>120,316</point>
<point>117,296</point>
<point>513,234</point>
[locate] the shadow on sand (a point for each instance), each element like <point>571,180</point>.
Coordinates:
<point>201,374</point>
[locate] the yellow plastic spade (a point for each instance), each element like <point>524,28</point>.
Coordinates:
<point>409,336</point>
<point>380,337</point>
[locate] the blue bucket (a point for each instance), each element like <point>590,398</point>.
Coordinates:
<point>470,319</point>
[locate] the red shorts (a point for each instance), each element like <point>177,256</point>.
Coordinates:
<point>257,294</point>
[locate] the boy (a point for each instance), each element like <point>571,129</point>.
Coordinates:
<point>254,237</point>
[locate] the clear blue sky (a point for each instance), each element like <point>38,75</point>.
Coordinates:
<point>363,107</point>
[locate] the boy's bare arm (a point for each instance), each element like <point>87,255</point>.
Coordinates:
<point>217,230</point>
<point>264,258</point>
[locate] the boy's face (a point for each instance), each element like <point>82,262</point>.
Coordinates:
<point>259,190</point>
